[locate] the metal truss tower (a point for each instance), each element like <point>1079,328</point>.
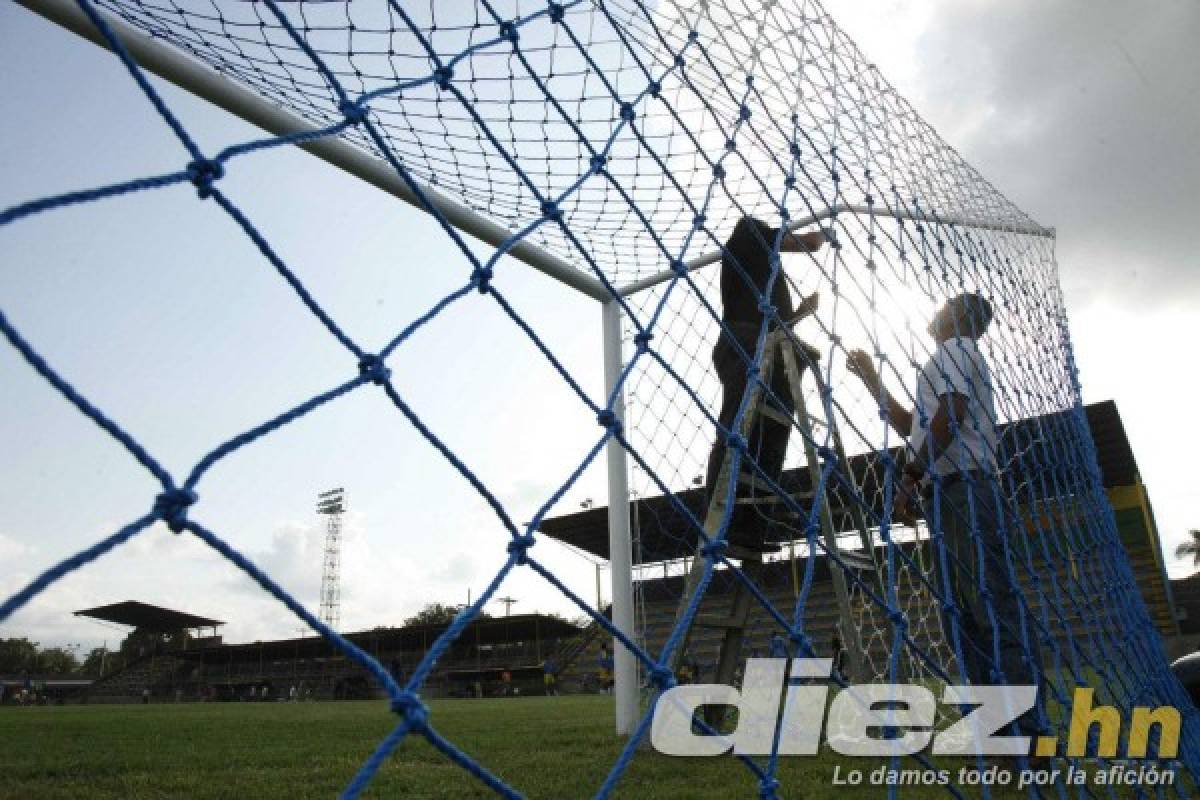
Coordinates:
<point>332,504</point>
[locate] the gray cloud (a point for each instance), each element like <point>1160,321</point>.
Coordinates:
<point>1087,114</point>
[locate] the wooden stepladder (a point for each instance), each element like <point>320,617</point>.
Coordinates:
<point>780,352</point>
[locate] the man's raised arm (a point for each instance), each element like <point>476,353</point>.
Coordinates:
<point>861,364</point>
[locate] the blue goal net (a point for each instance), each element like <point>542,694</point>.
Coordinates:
<point>841,410</point>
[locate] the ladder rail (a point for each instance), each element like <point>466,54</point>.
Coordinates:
<point>825,516</point>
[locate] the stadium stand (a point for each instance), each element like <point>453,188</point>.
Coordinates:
<point>210,670</point>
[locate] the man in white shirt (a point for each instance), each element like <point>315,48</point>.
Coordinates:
<point>952,445</point>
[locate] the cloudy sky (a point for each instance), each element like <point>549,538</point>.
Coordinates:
<point>1086,114</point>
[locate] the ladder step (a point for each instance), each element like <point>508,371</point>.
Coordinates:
<point>856,560</point>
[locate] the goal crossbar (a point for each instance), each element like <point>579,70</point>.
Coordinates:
<point>873,211</point>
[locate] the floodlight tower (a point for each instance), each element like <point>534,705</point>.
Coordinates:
<point>331,504</point>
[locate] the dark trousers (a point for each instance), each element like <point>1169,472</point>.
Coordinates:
<point>976,522</point>
<point>767,439</point>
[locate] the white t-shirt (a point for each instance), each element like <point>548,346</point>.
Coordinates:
<point>957,367</point>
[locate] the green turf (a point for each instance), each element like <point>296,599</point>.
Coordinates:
<point>544,747</point>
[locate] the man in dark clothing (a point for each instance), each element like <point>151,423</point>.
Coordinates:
<point>746,267</point>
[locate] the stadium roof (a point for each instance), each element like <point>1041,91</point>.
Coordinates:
<point>481,631</point>
<point>148,617</point>
<point>664,532</point>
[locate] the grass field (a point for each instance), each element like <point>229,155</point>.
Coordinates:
<point>545,747</point>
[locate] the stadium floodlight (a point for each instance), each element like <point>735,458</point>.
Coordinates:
<point>627,144</point>
<point>331,504</point>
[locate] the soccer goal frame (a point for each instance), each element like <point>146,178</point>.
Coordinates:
<point>201,80</point>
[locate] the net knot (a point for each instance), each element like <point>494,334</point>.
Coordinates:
<point>608,419</point>
<point>950,610</point>
<point>442,76</point>
<point>899,620</point>
<point>752,373</point>
<point>718,171</point>
<point>354,112</point>
<point>737,442</point>
<point>481,279</point>
<point>790,181</point>
<point>409,706</point>
<point>171,507</point>
<point>556,12</point>
<point>520,545</point>
<point>766,788</point>
<point>655,88</point>
<point>714,549</point>
<point>597,162</point>
<point>766,308</point>
<point>373,369</point>
<point>801,641</point>
<point>698,221</point>
<point>202,173</point>
<point>627,112</point>
<point>508,32</point>
<point>661,677</point>
<point>679,267</point>
<point>642,341</point>
<point>679,61</point>
<point>550,210</point>
<point>744,113</point>
<point>827,454</point>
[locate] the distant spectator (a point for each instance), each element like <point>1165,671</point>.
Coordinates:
<point>690,669</point>
<point>505,683</point>
<point>839,652</point>
<point>145,697</point>
<point>292,694</point>
<point>606,669</point>
<point>550,677</point>
<point>253,693</point>
<point>684,674</point>
<point>265,691</point>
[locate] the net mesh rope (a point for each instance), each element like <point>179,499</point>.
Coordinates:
<point>628,139</point>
